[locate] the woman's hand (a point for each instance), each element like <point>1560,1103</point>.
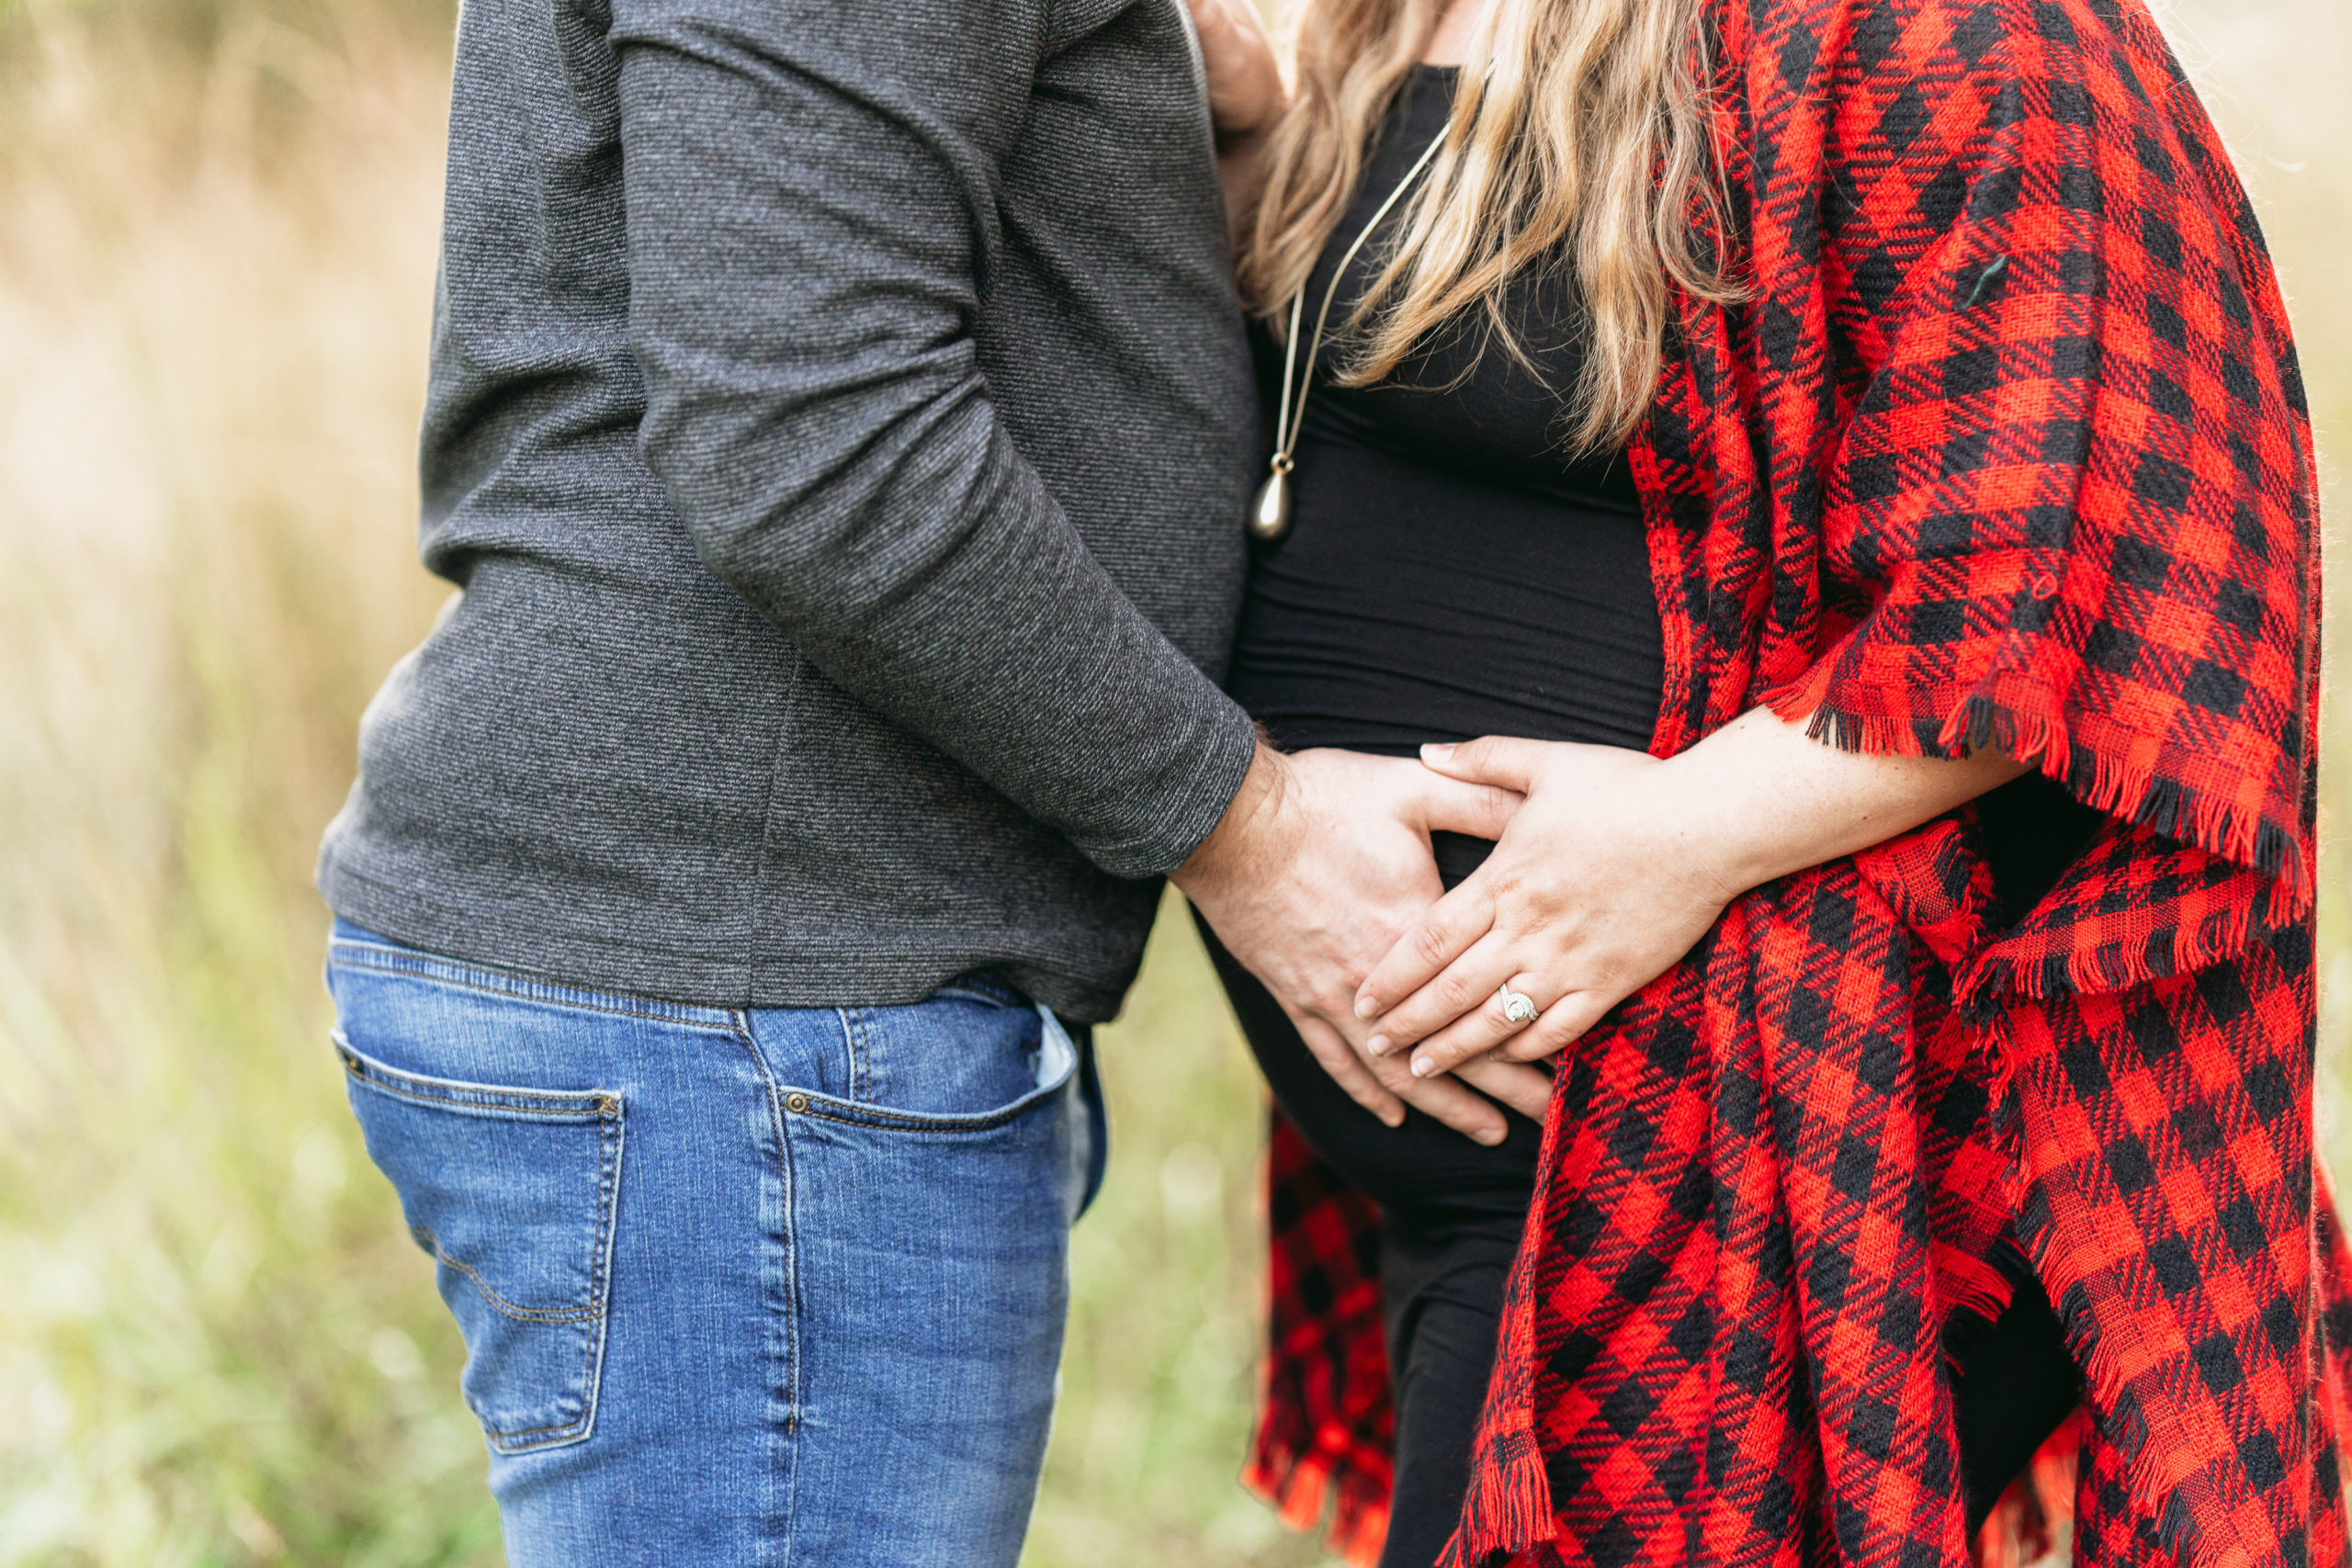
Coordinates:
<point>1247,96</point>
<point>1598,885</point>
<point>1618,863</point>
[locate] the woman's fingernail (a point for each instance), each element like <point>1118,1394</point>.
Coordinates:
<point>1395,1119</point>
<point>1436,753</point>
<point>1491,1137</point>
<point>1423,1067</point>
<point>1380,1044</point>
<point>1367,1008</point>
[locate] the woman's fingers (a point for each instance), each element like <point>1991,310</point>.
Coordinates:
<point>1563,1023</point>
<point>1431,945</point>
<point>1474,1034</point>
<point>1525,1090</point>
<point>1466,987</point>
<point>1487,1032</point>
<point>1465,1012</point>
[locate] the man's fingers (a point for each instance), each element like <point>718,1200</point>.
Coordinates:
<point>1481,810</point>
<point>1525,1090</point>
<point>1469,1115</point>
<point>1349,1070</point>
<point>1450,928</point>
<point>1502,760</point>
<point>1468,1112</point>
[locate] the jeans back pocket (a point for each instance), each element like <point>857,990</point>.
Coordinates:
<point>512,1192</point>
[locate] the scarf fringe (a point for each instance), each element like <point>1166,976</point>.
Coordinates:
<point>1980,1290</point>
<point>1998,977</point>
<point>2133,793</point>
<point>1304,1485</point>
<point>1511,1501</point>
<point>2137,793</point>
<point>2152,1492</point>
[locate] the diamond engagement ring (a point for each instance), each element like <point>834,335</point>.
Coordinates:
<point>1518,1007</point>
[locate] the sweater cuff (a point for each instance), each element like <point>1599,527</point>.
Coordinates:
<point>1201,778</point>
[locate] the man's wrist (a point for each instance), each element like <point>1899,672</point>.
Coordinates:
<point>1239,835</point>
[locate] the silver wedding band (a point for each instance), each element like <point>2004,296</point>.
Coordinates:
<point>1518,1007</point>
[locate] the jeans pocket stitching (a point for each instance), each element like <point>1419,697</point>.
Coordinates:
<point>607,1111</point>
<point>829,1109</point>
<point>802,1102</point>
<point>599,1106</point>
<point>612,1134</point>
<point>499,1304</point>
<point>464,1098</point>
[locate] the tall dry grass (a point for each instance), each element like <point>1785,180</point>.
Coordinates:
<point>216,1345</point>
<point>211,252</point>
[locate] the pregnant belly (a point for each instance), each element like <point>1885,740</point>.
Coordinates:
<point>1410,604</point>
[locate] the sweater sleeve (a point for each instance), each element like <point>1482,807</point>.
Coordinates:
<point>812,202</point>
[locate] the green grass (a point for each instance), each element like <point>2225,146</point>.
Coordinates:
<point>216,1343</point>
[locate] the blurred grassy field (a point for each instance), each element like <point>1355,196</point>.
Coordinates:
<point>217,1346</point>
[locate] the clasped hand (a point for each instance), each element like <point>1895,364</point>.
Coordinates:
<point>1609,866</point>
<point>1600,882</point>
<point>1323,862</point>
<point>1323,884</point>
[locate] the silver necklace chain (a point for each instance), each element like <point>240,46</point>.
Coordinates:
<point>1269,512</point>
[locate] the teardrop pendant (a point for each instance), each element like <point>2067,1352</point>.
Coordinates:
<point>1269,512</point>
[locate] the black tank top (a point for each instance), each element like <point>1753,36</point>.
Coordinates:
<point>1450,572</point>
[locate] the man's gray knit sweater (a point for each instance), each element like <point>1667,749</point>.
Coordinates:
<point>840,426</point>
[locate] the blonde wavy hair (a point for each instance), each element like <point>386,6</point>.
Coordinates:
<point>1587,146</point>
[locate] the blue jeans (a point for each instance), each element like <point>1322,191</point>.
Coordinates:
<point>766,1287</point>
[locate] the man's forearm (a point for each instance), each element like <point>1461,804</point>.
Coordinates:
<point>808,192</point>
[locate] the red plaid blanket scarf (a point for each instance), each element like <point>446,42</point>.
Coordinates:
<point>2008,445</point>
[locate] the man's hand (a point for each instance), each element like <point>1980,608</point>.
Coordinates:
<point>1247,96</point>
<point>1245,81</point>
<point>1321,863</point>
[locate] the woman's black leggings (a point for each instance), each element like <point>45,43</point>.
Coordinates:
<point>1452,1211</point>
